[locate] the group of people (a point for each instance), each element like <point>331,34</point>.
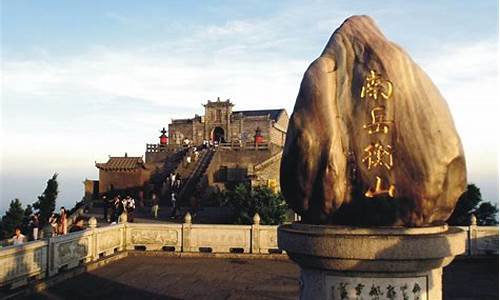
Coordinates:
<point>174,186</point>
<point>117,205</point>
<point>58,226</point>
<point>192,155</point>
<point>59,222</point>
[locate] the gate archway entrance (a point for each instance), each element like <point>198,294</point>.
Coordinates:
<point>218,135</point>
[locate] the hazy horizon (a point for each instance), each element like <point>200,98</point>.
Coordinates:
<point>82,80</point>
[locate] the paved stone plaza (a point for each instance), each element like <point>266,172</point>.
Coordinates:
<point>168,277</point>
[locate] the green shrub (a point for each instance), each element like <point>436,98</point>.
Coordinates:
<point>245,202</point>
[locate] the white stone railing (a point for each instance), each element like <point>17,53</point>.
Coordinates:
<point>22,263</point>
<point>481,240</point>
<point>39,259</point>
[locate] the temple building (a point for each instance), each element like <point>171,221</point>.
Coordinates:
<point>122,173</point>
<point>220,123</point>
<point>250,147</point>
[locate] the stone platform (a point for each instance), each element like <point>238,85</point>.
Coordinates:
<point>144,275</point>
<point>340,262</point>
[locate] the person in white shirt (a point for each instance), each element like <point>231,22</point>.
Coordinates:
<point>174,206</point>
<point>18,238</point>
<point>130,207</point>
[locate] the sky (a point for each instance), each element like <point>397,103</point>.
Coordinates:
<point>81,80</point>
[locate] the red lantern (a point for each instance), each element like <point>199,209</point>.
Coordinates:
<point>163,137</point>
<point>258,136</point>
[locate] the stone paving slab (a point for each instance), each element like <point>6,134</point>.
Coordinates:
<point>167,277</point>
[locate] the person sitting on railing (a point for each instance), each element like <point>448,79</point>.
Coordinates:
<point>78,225</point>
<point>18,238</point>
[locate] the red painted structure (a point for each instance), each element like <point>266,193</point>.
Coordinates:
<point>258,136</point>
<point>163,137</point>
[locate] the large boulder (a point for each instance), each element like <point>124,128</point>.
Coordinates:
<point>371,141</point>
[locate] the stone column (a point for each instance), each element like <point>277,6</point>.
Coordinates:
<point>92,222</point>
<point>186,233</point>
<point>256,234</point>
<point>339,262</point>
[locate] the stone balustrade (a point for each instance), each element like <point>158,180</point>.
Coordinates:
<point>22,263</point>
<point>481,240</point>
<point>39,259</point>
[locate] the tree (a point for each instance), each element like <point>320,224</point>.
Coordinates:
<point>28,212</point>
<point>12,218</point>
<point>471,202</point>
<point>245,202</point>
<point>47,201</point>
<point>486,214</point>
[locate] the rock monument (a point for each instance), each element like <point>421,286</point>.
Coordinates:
<point>373,164</point>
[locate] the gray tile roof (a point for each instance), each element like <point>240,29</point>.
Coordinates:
<point>273,113</point>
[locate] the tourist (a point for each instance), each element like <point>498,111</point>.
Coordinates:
<point>78,225</point>
<point>196,154</point>
<point>174,206</point>
<point>140,198</point>
<point>172,179</point>
<point>53,220</point>
<point>129,208</point>
<point>188,161</point>
<point>35,225</point>
<point>177,184</point>
<point>112,209</point>
<point>118,208</point>
<point>123,206</point>
<point>105,206</point>
<point>63,222</point>
<point>18,238</point>
<point>155,206</point>
<point>193,201</point>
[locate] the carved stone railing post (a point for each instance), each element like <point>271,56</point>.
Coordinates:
<point>51,270</point>
<point>186,233</point>
<point>93,247</point>
<point>255,236</point>
<point>123,218</point>
<point>472,238</point>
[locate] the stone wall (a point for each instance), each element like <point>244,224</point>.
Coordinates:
<point>237,128</point>
<point>277,136</point>
<point>178,130</point>
<point>278,130</point>
<point>236,165</point>
<point>122,180</point>
<point>268,173</point>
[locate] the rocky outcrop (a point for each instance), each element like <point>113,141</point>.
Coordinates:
<point>371,140</point>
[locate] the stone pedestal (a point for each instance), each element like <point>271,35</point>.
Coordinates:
<point>339,262</point>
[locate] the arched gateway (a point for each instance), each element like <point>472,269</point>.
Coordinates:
<point>218,134</point>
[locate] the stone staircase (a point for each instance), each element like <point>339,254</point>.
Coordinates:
<point>190,184</point>
<point>172,164</point>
